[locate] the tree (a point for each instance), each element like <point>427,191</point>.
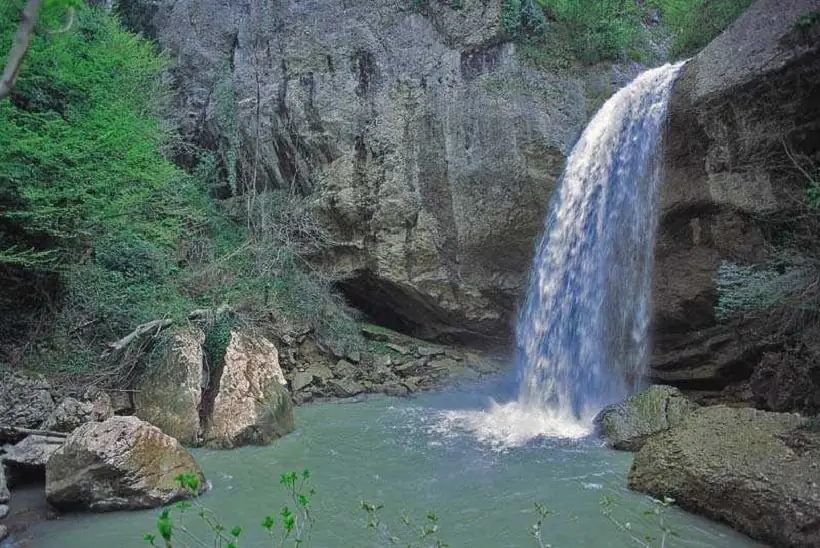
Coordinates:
<point>22,39</point>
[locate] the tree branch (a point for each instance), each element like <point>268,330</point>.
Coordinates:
<point>141,330</point>
<point>31,432</point>
<point>20,47</point>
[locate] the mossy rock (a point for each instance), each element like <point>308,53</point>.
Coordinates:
<point>627,425</point>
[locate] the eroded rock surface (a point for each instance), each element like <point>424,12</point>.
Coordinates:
<point>250,403</point>
<point>169,395</point>
<point>626,426</point>
<point>120,464</point>
<point>738,106</point>
<point>754,470</point>
<point>25,401</point>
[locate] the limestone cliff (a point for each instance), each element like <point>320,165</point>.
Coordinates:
<point>429,149</point>
<point>729,186</point>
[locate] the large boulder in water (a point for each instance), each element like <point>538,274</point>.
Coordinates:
<point>755,470</point>
<point>742,111</point>
<point>169,394</point>
<point>248,403</point>
<point>627,425</point>
<point>120,464</point>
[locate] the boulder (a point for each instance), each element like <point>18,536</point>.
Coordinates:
<point>123,463</point>
<point>25,401</point>
<point>345,388</point>
<point>169,394</point>
<point>250,404</point>
<point>627,425</point>
<point>70,414</point>
<point>32,453</point>
<point>301,379</point>
<point>755,470</point>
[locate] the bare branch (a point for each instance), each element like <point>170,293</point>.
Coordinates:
<point>20,47</point>
<point>31,432</point>
<point>143,329</point>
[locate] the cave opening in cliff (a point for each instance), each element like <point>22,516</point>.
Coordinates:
<point>381,303</point>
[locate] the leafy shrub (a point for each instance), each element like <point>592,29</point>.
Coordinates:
<point>754,288</point>
<point>692,24</point>
<point>594,30</point>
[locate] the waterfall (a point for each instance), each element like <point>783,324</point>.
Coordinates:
<point>582,331</point>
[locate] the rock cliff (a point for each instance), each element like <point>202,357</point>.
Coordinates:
<point>730,186</point>
<point>425,144</point>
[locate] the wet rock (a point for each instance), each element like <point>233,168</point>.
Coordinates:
<point>737,466</point>
<point>301,379</point>
<point>4,511</point>
<point>626,426</point>
<point>25,401</point>
<point>120,464</point>
<point>383,360</point>
<point>169,394</point>
<point>251,405</point>
<point>33,452</point>
<point>69,415</point>
<point>4,532</point>
<point>392,389</point>
<point>413,384</point>
<point>345,388</point>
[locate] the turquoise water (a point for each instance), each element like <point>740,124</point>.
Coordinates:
<point>414,455</point>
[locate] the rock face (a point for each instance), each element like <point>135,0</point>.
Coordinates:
<point>70,414</point>
<point>626,426</point>
<point>725,185</point>
<point>120,464</point>
<point>428,149</point>
<point>250,403</point>
<point>25,402</point>
<point>169,395</point>
<point>33,452</point>
<point>754,470</point>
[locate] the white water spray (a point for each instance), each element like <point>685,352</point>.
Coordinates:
<point>582,332</point>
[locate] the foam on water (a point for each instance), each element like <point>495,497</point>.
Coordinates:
<point>508,425</point>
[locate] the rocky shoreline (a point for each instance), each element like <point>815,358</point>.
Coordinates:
<point>55,438</point>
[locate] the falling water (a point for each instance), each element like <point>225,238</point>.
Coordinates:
<point>582,332</point>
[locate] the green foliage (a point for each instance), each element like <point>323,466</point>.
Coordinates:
<point>217,338</point>
<point>594,30</point>
<point>692,24</point>
<point>291,526</point>
<point>424,535</point>
<point>294,523</point>
<point>754,288</point>
<point>658,511</point>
